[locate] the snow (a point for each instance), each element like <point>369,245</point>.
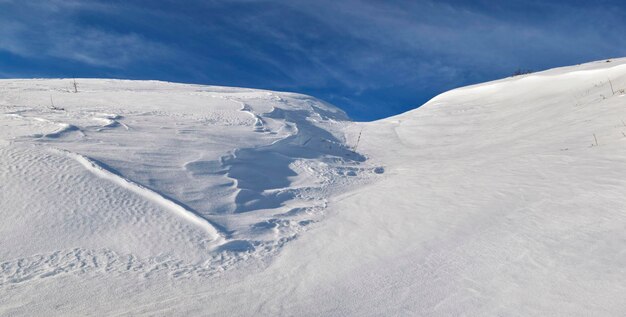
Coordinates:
<point>153,198</point>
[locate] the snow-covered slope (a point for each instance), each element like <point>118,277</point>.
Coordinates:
<point>151,173</point>
<point>505,198</point>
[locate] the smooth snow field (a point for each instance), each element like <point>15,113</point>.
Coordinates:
<point>150,198</point>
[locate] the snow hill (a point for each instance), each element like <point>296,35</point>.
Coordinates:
<point>152,198</point>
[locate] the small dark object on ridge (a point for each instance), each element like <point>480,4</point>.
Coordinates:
<point>520,71</point>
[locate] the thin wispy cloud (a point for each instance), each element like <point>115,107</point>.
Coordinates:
<point>50,29</point>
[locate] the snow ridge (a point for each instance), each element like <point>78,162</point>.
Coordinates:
<point>504,198</point>
<point>176,208</point>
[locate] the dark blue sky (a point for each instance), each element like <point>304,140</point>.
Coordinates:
<point>371,58</point>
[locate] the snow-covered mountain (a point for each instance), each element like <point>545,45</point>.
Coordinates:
<point>152,198</point>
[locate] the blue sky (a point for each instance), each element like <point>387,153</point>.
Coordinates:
<point>371,58</point>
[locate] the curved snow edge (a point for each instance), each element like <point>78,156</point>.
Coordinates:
<point>147,193</point>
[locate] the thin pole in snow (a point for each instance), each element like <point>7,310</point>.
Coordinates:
<point>358,140</point>
<point>610,83</point>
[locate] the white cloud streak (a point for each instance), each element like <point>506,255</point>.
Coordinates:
<point>44,29</point>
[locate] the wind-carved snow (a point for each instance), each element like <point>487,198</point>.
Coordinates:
<point>62,128</point>
<point>504,198</point>
<point>266,184</point>
<point>243,171</point>
<point>182,211</point>
<point>108,120</point>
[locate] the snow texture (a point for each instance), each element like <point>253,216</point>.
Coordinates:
<point>153,198</point>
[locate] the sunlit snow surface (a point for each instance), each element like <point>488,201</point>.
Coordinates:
<point>137,197</point>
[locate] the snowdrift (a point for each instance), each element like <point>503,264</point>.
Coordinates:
<point>152,198</point>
